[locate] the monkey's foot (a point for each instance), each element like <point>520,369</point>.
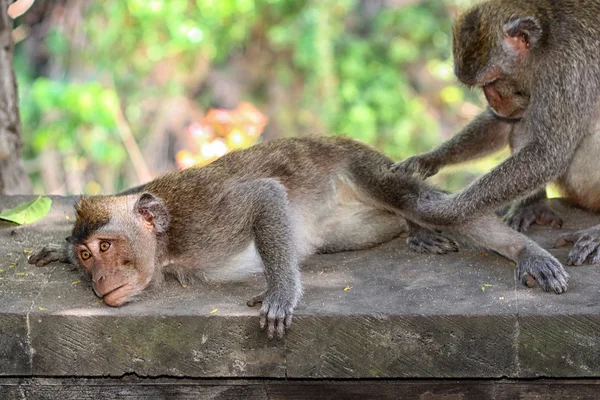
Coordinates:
<point>543,268</point>
<point>421,164</point>
<point>48,254</point>
<point>275,313</point>
<point>587,246</point>
<point>520,218</point>
<point>428,242</point>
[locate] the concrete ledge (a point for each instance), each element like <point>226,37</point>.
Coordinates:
<point>405,316</point>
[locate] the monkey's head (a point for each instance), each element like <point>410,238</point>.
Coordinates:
<point>494,42</point>
<point>116,240</point>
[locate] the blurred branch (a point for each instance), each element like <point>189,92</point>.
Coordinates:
<point>141,169</point>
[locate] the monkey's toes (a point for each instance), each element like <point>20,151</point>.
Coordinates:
<point>521,218</point>
<point>427,242</point>
<point>546,271</point>
<point>586,248</point>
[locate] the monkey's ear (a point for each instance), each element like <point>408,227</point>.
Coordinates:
<point>153,212</point>
<point>522,34</point>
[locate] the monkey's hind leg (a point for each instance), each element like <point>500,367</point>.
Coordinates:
<point>274,239</point>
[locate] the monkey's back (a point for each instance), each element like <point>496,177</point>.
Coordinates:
<point>329,211</point>
<point>300,164</point>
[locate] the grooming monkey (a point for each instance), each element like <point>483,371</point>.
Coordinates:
<point>538,63</point>
<point>272,204</point>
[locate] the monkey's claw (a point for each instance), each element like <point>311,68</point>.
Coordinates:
<point>545,270</point>
<point>47,255</point>
<point>275,313</point>
<point>428,242</point>
<point>520,218</point>
<point>587,246</point>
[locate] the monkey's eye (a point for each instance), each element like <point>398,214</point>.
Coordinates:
<point>85,255</point>
<point>104,246</point>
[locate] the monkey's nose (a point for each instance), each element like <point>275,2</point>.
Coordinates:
<point>98,279</point>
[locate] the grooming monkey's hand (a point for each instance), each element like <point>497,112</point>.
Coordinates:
<point>520,217</point>
<point>49,254</point>
<point>423,164</point>
<point>276,311</point>
<point>541,267</point>
<point>587,246</point>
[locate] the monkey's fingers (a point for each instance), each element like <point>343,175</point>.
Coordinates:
<point>528,280</point>
<point>275,325</point>
<point>551,219</point>
<point>44,257</point>
<point>413,165</point>
<point>546,270</point>
<point>276,317</point>
<point>521,220</point>
<point>401,166</point>
<point>594,258</point>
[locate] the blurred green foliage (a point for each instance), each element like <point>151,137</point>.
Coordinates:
<point>381,75</point>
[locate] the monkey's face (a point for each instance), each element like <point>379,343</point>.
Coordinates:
<point>118,273</point>
<point>115,239</point>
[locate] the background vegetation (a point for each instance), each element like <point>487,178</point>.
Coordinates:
<point>113,92</point>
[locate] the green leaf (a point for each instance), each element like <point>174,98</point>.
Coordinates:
<point>29,212</point>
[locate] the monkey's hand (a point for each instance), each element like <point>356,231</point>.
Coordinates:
<point>424,165</point>
<point>520,217</point>
<point>429,242</point>
<point>539,265</point>
<point>587,246</point>
<point>50,253</point>
<point>276,311</point>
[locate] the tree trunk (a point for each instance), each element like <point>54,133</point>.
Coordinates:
<point>13,179</point>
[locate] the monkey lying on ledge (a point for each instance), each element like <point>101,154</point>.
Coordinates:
<point>272,204</point>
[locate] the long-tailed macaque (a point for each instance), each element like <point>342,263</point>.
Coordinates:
<point>538,63</point>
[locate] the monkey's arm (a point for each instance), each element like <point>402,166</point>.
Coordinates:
<point>556,122</point>
<point>532,210</point>
<point>273,236</point>
<point>484,135</point>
